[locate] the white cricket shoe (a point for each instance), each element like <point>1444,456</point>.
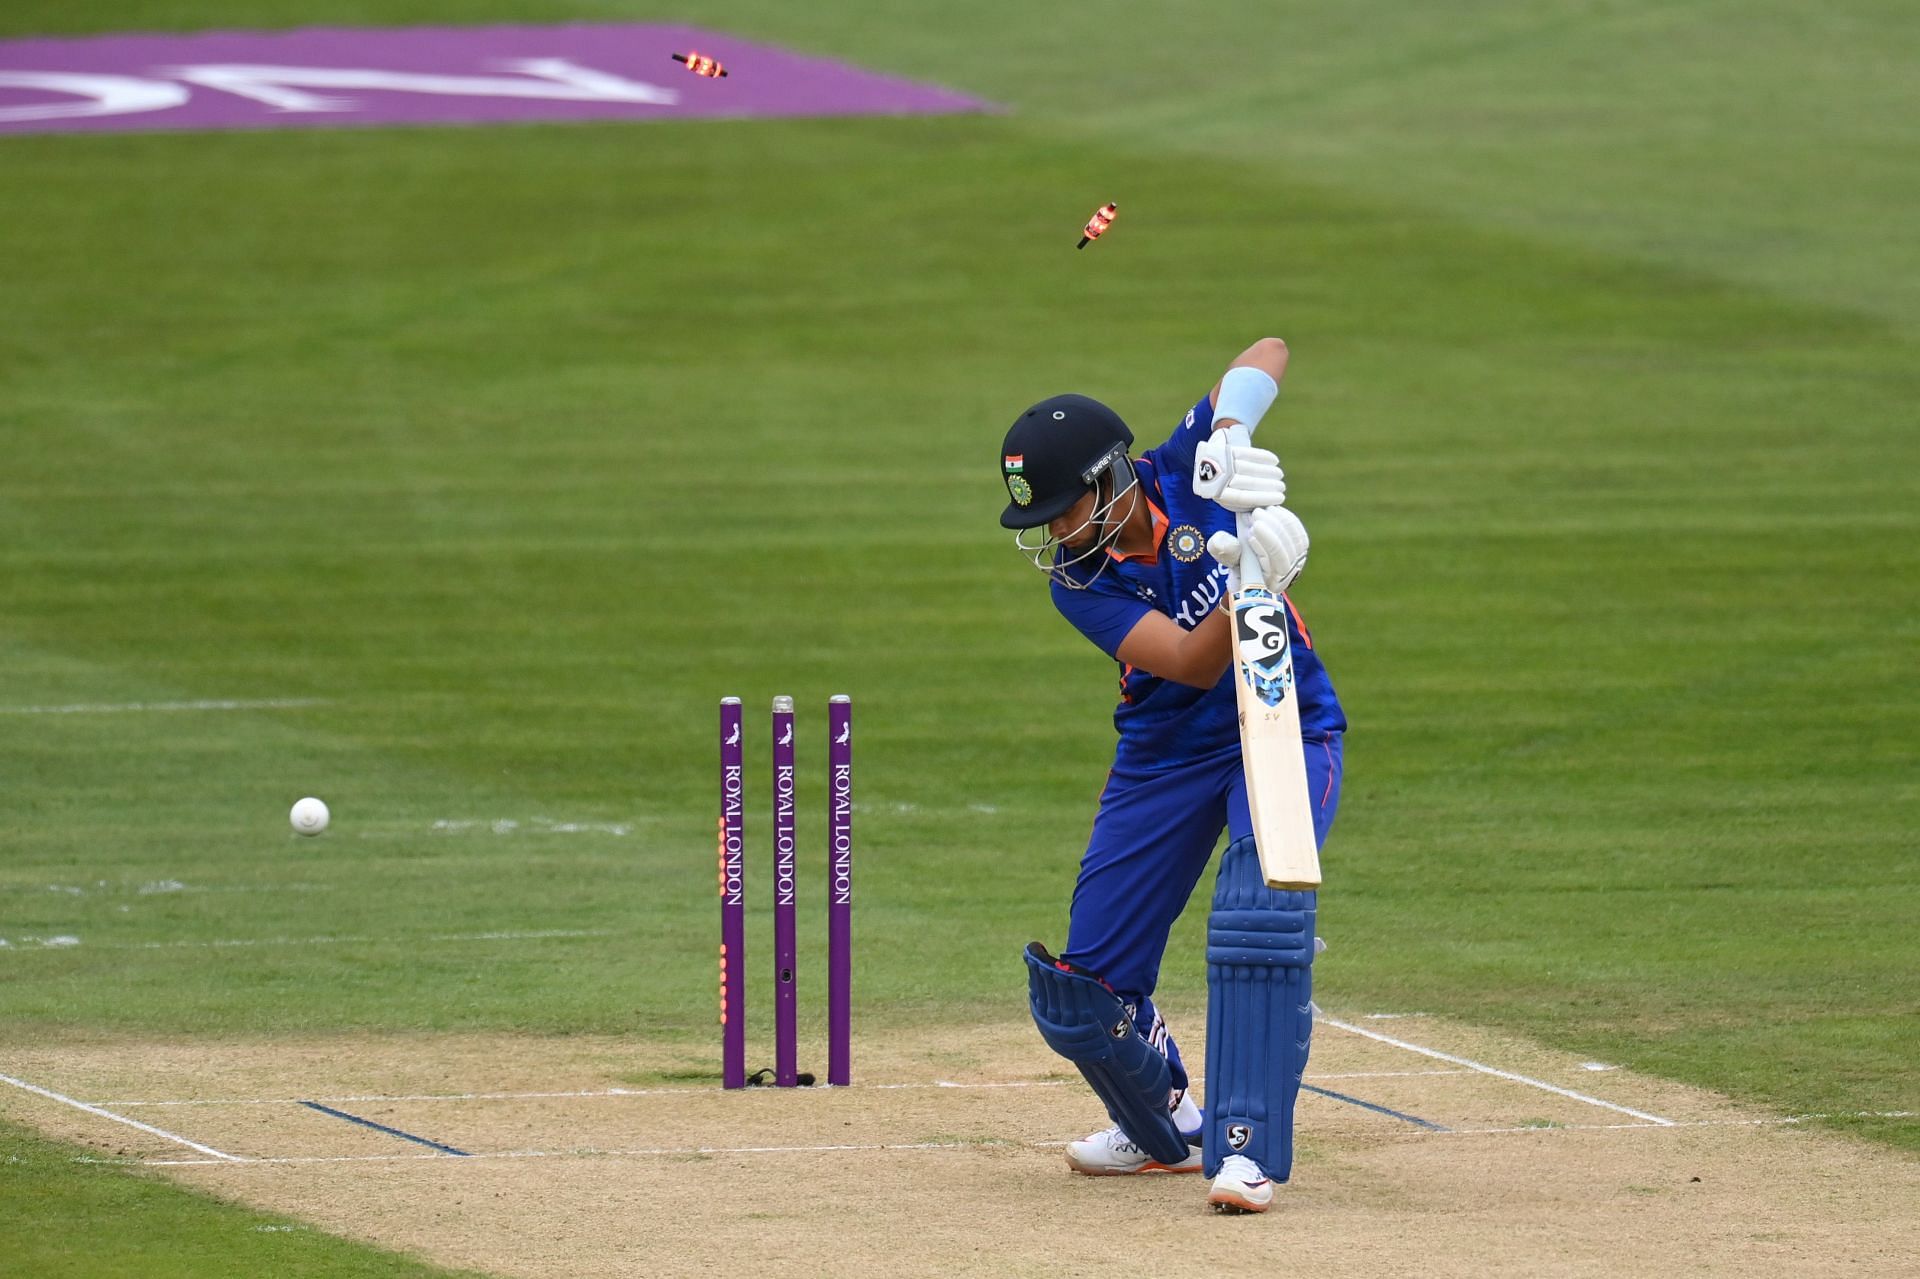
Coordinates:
<point>1111,1153</point>
<point>1240,1187</point>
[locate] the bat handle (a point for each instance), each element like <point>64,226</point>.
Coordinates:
<point>1240,437</point>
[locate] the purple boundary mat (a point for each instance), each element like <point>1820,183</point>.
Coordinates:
<point>332,77</point>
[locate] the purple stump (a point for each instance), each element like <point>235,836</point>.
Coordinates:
<point>785,1022</point>
<point>733,903</point>
<point>839,888</point>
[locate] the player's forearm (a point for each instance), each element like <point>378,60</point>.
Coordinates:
<point>1163,648</point>
<point>1268,356</point>
<point>1204,652</point>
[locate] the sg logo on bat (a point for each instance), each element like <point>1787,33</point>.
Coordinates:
<point>1260,639</point>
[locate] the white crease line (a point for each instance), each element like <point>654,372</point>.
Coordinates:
<point>154,888</point>
<point>585,1152</point>
<point>69,943</point>
<point>591,1093</point>
<point>1646,1127</point>
<point>596,1093</point>
<point>1682,1123</point>
<point>1489,1070</point>
<point>584,1092</point>
<point>111,708</point>
<point>535,826</point>
<point>220,1155</point>
<point>932,1145</point>
<point>582,1152</point>
<point>359,1097</point>
<point>594,1152</point>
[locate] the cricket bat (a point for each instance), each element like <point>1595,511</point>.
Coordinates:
<point>1270,746</point>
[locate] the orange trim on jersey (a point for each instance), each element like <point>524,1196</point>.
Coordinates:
<point>1160,523</point>
<point>1306,637</point>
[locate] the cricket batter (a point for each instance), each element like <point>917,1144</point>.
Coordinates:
<point>1140,553</point>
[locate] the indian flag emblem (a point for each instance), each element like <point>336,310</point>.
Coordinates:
<point>1016,462</point>
<point>1021,490</point>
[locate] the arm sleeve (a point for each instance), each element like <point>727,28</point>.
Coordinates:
<point>1105,618</point>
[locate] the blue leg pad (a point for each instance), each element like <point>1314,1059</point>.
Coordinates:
<point>1259,1015</point>
<point>1085,1022</point>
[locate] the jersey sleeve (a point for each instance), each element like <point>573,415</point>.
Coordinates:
<point>1104,617</point>
<point>1175,457</point>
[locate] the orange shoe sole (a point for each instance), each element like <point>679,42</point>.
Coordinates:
<point>1227,1201</point>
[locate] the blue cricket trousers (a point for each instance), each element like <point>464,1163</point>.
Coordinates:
<point>1152,839</point>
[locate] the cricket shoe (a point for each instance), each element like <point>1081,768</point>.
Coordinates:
<point>1240,1186</point>
<point>1111,1153</point>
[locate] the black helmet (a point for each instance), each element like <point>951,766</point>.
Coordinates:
<point>1053,454</point>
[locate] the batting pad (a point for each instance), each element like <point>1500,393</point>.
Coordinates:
<point>1259,1014</point>
<point>1085,1022</point>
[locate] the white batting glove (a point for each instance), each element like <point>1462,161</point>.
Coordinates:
<point>1278,541</point>
<point>1225,549</point>
<point>1238,476</point>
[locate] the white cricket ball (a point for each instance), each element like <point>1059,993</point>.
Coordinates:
<point>309,816</point>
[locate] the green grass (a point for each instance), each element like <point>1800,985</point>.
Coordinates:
<point>66,1218</point>
<point>519,447</point>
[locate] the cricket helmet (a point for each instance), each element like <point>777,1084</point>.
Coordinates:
<point>1054,454</point>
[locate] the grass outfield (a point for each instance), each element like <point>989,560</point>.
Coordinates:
<point>511,450</point>
<point>53,1209</point>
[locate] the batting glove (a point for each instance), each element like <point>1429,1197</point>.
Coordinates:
<point>1238,476</point>
<point>1278,541</point>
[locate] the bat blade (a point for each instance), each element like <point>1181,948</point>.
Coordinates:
<point>1270,747</point>
<point>1271,751</point>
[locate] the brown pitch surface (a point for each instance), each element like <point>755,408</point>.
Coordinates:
<point>584,1164</point>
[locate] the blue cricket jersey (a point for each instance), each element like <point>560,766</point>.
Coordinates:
<point>1162,722</point>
